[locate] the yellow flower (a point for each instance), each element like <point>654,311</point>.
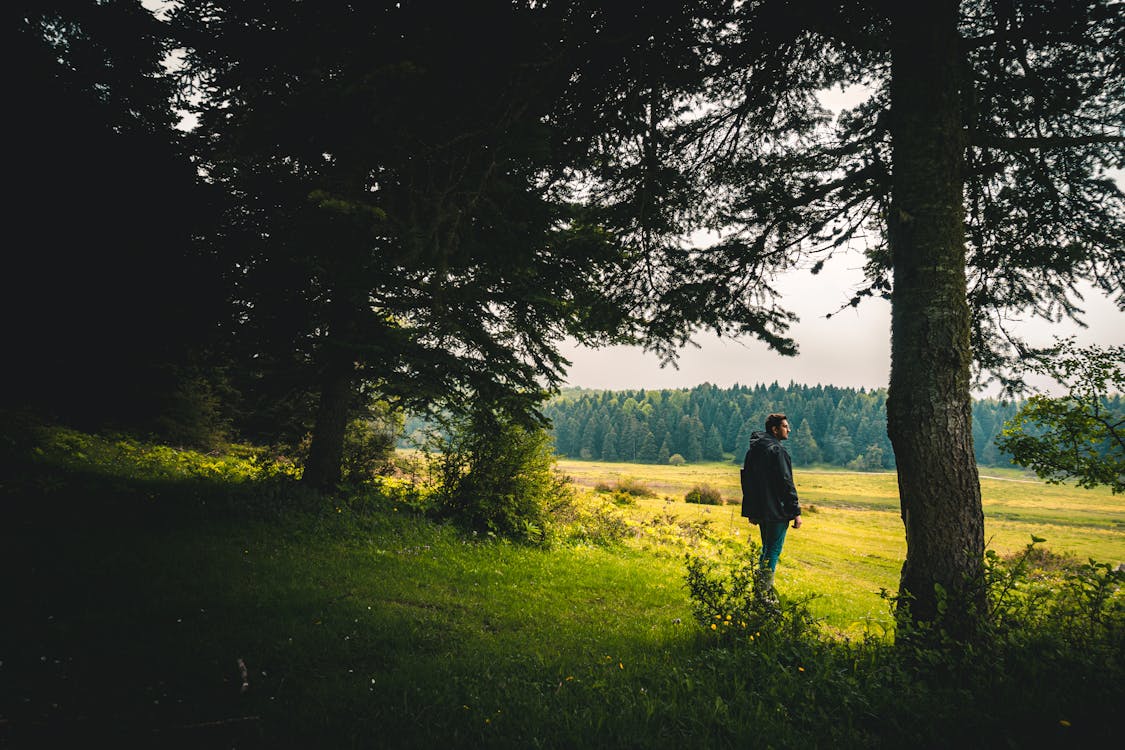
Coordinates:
<point>800,669</point>
<point>714,626</point>
<point>620,665</point>
<point>1064,722</point>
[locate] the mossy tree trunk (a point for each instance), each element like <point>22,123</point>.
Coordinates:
<point>929,406</point>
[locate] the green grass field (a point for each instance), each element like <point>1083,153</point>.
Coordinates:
<point>854,544</point>
<point>155,598</point>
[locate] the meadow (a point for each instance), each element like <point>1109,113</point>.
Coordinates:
<point>160,598</point>
<point>852,543</point>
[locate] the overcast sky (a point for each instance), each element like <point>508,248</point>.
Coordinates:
<point>851,349</point>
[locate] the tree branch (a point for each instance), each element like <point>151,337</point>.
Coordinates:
<point>1029,143</point>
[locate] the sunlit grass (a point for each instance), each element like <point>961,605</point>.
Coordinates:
<point>853,546</point>
<point>133,605</point>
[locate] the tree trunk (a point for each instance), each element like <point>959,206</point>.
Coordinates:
<point>929,406</point>
<point>326,453</point>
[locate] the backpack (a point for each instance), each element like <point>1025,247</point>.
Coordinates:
<point>747,500</point>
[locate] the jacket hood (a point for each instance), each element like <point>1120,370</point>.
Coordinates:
<point>760,435</point>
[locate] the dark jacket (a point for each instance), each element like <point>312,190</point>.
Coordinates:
<point>768,493</point>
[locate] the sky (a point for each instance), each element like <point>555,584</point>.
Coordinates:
<point>851,349</point>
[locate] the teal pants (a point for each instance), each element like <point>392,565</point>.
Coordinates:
<point>773,538</point>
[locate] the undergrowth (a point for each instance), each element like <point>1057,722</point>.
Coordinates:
<point>217,606</point>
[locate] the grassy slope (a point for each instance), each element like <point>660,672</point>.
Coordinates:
<point>128,610</point>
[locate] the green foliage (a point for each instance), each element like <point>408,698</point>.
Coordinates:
<point>704,494</point>
<point>367,619</point>
<point>1079,604</point>
<point>626,486</point>
<point>730,604</point>
<point>194,414</point>
<point>596,523</point>
<point>1079,436</point>
<point>369,443</point>
<point>494,476</point>
<point>126,456</point>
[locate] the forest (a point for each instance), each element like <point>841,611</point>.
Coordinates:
<point>838,426</point>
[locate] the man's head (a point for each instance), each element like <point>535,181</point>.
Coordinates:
<point>778,426</point>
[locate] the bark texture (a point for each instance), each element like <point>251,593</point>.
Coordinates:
<point>928,406</point>
<point>322,470</point>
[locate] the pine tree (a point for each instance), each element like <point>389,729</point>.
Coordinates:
<point>804,448</point>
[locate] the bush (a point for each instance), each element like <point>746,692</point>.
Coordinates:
<point>494,476</point>
<point>734,608</point>
<point>585,522</point>
<point>626,486</point>
<point>704,494</point>
<point>676,460</point>
<point>368,448</point>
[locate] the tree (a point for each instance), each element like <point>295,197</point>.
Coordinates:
<point>648,452</point>
<point>609,446</point>
<point>976,165</point>
<point>395,217</point>
<point>111,309</point>
<point>840,447</point>
<point>804,448</point>
<point>713,445</point>
<point>1081,435</point>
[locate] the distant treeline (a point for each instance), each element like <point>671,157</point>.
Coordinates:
<point>839,426</point>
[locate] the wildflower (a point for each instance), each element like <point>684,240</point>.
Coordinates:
<point>620,665</point>
<point>1064,723</point>
<point>800,669</point>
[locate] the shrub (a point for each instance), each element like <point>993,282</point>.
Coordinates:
<point>368,448</point>
<point>495,476</point>
<point>584,522</point>
<point>704,494</point>
<point>627,486</point>
<point>676,460</point>
<point>734,608</point>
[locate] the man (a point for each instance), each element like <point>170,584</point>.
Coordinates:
<point>769,498</point>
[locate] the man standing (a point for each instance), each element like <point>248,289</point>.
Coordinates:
<point>769,498</point>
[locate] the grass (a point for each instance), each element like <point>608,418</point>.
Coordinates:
<point>854,545</point>
<point>136,592</point>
